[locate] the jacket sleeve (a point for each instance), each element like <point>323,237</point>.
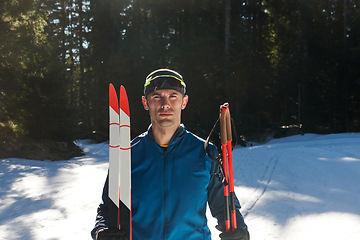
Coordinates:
<point>216,199</point>
<point>102,211</point>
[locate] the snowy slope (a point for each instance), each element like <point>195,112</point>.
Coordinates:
<point>300,187</point>
<point>52,200</point>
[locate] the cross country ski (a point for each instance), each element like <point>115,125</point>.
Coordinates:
<point>119,161</point>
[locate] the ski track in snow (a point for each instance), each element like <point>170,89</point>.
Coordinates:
<point>301,188</point>
<point>296,188</point>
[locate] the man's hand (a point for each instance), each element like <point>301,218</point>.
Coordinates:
<point>111,234</point>
<point>239,234</point>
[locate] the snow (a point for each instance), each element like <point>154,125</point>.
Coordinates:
<point>299,187</point>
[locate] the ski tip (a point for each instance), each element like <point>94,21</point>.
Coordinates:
<point>124,103</point>
<point>113,101</point>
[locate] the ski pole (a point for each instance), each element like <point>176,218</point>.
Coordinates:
<point>231,172</point>
<point>223,139</point>
<point>226,145</point>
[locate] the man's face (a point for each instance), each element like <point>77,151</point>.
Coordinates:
<point>165,107</point>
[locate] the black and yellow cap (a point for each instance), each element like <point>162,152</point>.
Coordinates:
<point>164,79</point>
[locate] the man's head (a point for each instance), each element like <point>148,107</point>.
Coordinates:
<point>164,79</point>
<point>164,97</point>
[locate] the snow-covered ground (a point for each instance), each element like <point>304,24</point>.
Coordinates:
<point>295,188</point>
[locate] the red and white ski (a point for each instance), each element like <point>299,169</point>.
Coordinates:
<point>119,162</point>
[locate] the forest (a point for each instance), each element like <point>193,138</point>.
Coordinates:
<point>284,66</point>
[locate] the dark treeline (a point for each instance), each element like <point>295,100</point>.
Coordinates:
<point>279,63</point>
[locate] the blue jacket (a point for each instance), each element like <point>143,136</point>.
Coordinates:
<point>170,189</point>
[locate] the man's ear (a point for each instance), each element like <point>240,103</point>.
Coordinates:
<point>185,101</point>
<point>144,102</point>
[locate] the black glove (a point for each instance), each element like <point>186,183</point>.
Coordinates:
<point>111,234</point>
<point>239,234</point>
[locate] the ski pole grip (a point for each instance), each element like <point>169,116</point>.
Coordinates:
<point>228,125</point>
<point>223,128</point>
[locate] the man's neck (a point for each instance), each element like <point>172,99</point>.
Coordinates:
<point>163,135</point>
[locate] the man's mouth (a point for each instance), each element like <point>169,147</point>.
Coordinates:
<point>165,114</point>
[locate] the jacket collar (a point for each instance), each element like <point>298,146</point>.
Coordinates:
<point>178,135</point>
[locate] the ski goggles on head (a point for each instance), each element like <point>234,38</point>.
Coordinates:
<point>164,79</point>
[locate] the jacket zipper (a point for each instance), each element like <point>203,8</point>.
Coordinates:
<point>165,194</point>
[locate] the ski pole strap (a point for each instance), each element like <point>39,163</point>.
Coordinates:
<point>233,133</point>
<point>221,173</point>
<point>206,145</point>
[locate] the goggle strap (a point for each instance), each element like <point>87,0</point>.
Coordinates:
<point>167,76</point>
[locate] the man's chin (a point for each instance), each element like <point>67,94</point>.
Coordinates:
<point>166,123</point>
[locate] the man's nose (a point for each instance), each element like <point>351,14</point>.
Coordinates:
<point>165,102</point>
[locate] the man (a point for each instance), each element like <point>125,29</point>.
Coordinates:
<point>172,177</point>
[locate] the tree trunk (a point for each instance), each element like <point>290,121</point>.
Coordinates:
<point>227,50</point>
